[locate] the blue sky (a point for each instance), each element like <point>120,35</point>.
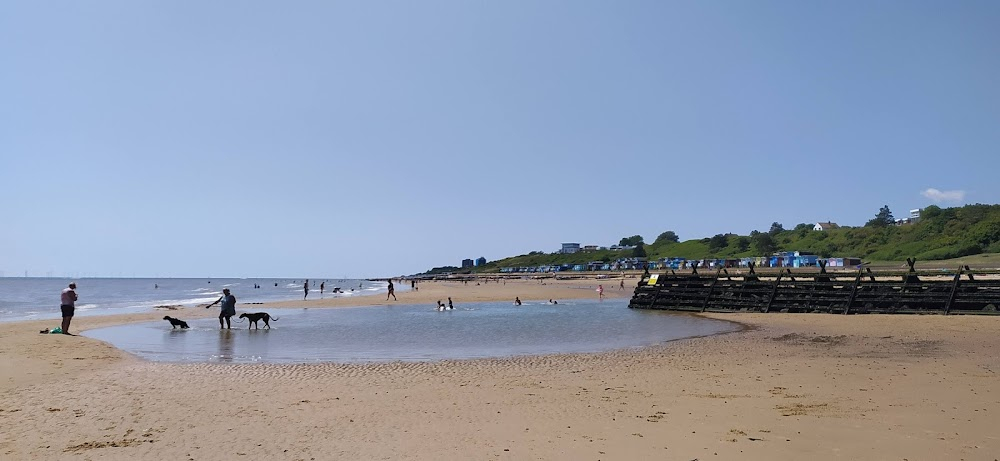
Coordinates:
<point>330,139</point>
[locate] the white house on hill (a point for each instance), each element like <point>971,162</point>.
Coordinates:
<point>570,248</point>
<point>823,226</point>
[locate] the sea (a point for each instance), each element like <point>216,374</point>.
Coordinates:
<point>37,298</point>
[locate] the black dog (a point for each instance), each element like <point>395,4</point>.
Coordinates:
<point>176,322</point>
<point>256,316</point>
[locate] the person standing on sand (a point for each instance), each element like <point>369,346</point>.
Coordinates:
<point>392,292</point>
<point>621,286</point>
<point>305,287</point>
<point>67,305</point>
<point>600,292</point>
<point>228,307</point>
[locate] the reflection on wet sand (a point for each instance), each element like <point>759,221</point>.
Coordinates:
<point>225,346</point>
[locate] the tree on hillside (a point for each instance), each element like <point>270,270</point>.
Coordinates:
<point>741,243</point>
<point>931,211</point>
<point>763,244</point>
<point>668,236</point>
<point>776,227</point>
<point>634,240</point>
<point>639,251</point>
<point>882,219</point>
<point>803,229</point>
<point>718,242</point>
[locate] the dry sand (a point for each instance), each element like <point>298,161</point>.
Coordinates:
<point>792,386</point>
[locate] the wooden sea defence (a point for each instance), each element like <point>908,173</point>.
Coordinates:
<point>862,291</point>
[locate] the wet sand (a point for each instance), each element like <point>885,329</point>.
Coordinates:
<point>791,386</point>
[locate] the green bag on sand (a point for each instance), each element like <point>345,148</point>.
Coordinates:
<point>56,330</point>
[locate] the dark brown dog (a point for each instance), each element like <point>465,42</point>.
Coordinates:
<point>254,317</point>
<point>176,322</point>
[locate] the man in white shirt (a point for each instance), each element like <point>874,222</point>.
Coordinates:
<point>68,305</point>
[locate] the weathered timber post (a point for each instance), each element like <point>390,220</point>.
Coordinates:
<point>954,290</point>
<point>854,291</point>
<point>820,278</point>
<point>711,288</point>
<point>774,291</point>
<point>911,275</point>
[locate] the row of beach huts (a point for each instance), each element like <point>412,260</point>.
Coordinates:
<point>781,259</point>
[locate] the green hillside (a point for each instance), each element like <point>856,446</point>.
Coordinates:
<point>941,233</point>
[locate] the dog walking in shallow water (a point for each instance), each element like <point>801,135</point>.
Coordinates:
<point>257,316</point>
<point>174,323</point>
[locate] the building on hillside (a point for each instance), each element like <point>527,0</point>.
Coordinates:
<point>825,226</point>
<point>466,263</point>
<point>480,261</point>
<point>590,248</point>
<point>912,219</point>
<point>570,248</point>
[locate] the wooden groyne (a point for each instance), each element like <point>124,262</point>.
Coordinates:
<point>861,291</point>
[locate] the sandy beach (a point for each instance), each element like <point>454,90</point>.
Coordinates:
<point>787,387</point>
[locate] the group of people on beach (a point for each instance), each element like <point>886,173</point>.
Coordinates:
<point>227,302</point>
<point>69,297</point>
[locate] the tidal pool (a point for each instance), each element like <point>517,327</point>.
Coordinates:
<point>412,333</point>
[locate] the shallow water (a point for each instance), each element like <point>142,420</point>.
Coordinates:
<point>412,333</point>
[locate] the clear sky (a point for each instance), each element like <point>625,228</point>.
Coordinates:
<point>373,138</point>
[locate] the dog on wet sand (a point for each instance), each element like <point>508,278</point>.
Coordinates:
<point>254,317</point>
<point>176,322</point>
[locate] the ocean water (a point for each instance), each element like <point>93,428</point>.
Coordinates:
<point>27,298</point>
<point>412,333</point>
